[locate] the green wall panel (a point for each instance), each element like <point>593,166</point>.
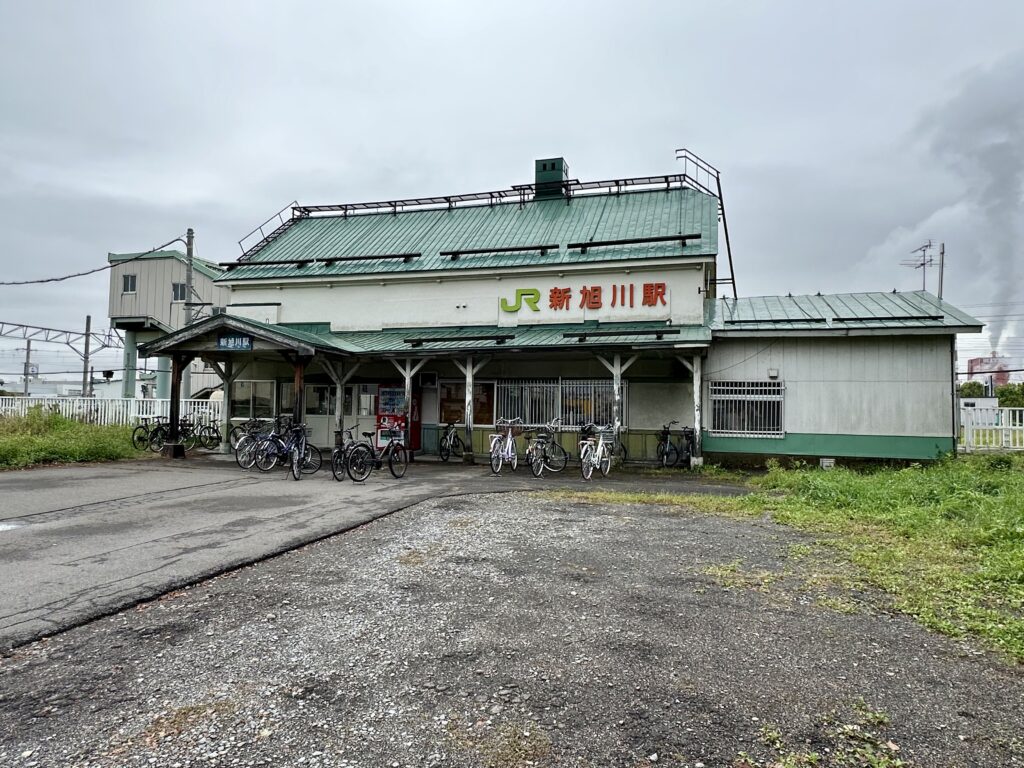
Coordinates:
<point>853,446</point>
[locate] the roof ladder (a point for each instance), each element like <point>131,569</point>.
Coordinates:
<point>705,177</point>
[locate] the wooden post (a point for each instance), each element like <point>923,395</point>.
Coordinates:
<point>173,449</point>
<point>467,455</point>
<point>698,411</point>
<point>617,368</point>
<point>300,389</point>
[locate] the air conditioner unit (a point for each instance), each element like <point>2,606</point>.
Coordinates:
<point>428,380</point>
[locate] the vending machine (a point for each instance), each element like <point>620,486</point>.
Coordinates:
<point>390,407</point>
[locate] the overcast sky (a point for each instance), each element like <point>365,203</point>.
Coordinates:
<point>847,133</point>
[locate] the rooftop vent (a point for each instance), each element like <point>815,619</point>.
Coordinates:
<point>550,176</point>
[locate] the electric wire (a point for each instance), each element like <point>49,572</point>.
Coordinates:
<point>178,239</point>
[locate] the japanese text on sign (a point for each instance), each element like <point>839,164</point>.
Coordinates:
<point>235,342</point>
<point>590,297</point>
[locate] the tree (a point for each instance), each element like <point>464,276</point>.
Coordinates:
<point>1011,395</point>
<point>972,389</point>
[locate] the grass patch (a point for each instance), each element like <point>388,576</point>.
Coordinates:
<point>49,438</point>
<point>945,540</point>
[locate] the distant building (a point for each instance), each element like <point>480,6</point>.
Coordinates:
<point>993,371</point>
<point>147,300</point>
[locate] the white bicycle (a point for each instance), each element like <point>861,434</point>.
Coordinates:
<point>595,449</point>
<point>503,444</point>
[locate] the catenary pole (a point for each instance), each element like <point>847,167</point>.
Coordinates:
<point>28,363</point>
<point>85,357</point>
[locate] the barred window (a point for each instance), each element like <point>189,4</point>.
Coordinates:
<point>747,408</point>
<point>577,401</point>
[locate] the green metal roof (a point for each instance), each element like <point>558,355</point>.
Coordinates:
<point>207,268</point>
<point>431,232</point>
<point>840,312</point>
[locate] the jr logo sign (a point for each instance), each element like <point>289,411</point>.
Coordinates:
<point>528,296</point>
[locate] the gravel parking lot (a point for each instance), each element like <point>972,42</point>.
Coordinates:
<point>512,630</point>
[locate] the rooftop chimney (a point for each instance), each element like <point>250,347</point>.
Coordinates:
<point>551,175</point>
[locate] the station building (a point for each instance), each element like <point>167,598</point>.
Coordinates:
<point>607,302</point>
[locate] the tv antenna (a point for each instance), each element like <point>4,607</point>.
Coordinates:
<point>922,261</point>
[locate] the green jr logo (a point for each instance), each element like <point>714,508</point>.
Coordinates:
<point>527,296</point>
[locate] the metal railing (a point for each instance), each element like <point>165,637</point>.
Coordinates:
<point>94,410</point>
<point>747,408</point>
<point>575,401</point>
<point>992,429</point>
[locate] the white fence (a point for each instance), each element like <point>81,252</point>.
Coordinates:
<point>112,410</point>
<point>992,429</point>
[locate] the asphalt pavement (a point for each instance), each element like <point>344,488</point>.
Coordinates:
<point>82,541</point>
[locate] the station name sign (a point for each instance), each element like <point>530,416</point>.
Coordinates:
<point>593,296</point>
<point>236,342</point>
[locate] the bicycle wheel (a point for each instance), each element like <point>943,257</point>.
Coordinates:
<point>338,464</point>
<point>496,457</point>
<point>268,451</point>
<point>586,463</point>
<point>235,435</point>
<point>209,436</point>
<point>140,438</point>
<point>312,461</point>
<point>537,462</point>
<point>660,453</point>
<point>458,448</point>
<point>189,439</point>
<point>555,457</point>
<point>604,461</point>
<point>398,460</point>
<point>444,450</point>
<point>245,454</point>
<point>513,457</point>
<point>359,464</point>
<point>670,456</point>
<point>157,438</point>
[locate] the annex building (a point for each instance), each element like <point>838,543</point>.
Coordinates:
<point>608,302</point>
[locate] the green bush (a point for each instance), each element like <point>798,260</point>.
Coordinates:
<point>41,437</point>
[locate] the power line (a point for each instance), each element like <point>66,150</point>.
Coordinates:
<point>91,271</point>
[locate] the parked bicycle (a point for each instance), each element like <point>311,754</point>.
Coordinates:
<point>544,451</point>
<point>364,458</point>
<point>339,456</point>
<point>140,435</point>
<point>248,427</point>
<point>290,449</point>
<point>451,443</point>
<point>669,453</point>
<point>595,449</point>
<point>503,444</point>
<point>188,435</point>
<point>257,431</point>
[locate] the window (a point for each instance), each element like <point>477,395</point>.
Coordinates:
<point>252,399</point>
<point>127,283</point>
<point>577,401</point>
<point>452,397</point>
<point>178,292</point>
<point>747,408</point>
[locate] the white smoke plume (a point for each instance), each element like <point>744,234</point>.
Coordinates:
<point>979,135</point>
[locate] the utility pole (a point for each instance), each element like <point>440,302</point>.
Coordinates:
<point>85,356</point>
<point>28,361</point>
<point>189,237</point>
<point>942,266</point>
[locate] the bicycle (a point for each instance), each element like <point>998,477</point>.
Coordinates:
<point>544,451</point>
<point>364,458</point>
<point>451,444</point>
<point>339,456</point>
<point>141,433</point>
<point>294,452</point>
<point>670,454</point>
<point>245,448</point>
<point>595,450</point>
<point>503,443</point>
<point>161,433</point>
<point>209,434</point>
<point>246,428</point>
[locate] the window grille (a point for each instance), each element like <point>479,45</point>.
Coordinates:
<point>577,401</point>
<point>747,408</point>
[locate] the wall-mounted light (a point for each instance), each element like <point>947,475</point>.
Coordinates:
<point>773,373</point>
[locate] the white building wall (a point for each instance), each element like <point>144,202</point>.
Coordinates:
<point>869,385</point>
<point>453,299</point>
<point>152,297</point>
